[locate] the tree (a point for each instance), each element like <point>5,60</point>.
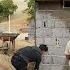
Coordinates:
<point>1,8</point>
<point>7,7</point>
<point>32,11</point>
<point>31,7</point>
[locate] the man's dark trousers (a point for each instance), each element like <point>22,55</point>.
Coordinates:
<point>19,63</point>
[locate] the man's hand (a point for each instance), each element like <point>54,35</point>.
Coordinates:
<point>68,57</point>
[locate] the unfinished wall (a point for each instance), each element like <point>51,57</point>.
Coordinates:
<point>53,29</point>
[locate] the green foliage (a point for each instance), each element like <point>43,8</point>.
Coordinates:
<point>7,7</point>
<point>31,7</point>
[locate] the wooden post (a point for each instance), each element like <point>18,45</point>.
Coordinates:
<point>13,45</point>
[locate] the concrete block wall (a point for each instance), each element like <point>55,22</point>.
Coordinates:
<point>51,67</point>
<point>53,63</point>
<point>56,28</point>
<point>53,29</point>
<point>55,35</point>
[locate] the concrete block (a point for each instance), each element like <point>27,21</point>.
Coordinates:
<point>57,32</point>
<point>60,60</point>
<point>39,32</point>
<point>56,51</point>
<point>63,41</point>
<point>38,15</point>
<point>47,59</point>
<point>50,41</point>
<point>66,32</point>
<point>59,23</point>
<point>56,67</point>
<point>39,23</point>
<point>50,67</point>
<point>50,23</point>
<point>48,32</point>
<point>39,41</point>
<point>44,67</point>
<point>68,24</point>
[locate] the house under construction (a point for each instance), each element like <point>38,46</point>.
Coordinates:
<point>53,29</point>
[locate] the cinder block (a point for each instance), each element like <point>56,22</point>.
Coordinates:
<point>48,32</point>
<point>59,23</point>
<point>56,51</point>
<point>50,41</point>
<point>39,41</point>
<point>68,24</point>
<point>66,32</point>
<point>50,23</point>
<point>50,67</point>
<point>38,15</point>
<point>47,59</point>
<point>63,41</point>
<point>39,23</point>
<point>60,60</point>
<point>56,67</point>
<point>39,32</point>
<point>45,67</point>
<point>57,32</point>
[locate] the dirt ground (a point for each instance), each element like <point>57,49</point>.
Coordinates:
<point>5,60</point>
<point>5,63</point>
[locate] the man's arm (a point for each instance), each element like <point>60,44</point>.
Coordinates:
<point>37,66</point>
<point>67,51</point>
<point>38,60</point>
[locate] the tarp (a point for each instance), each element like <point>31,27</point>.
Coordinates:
<point>22,36</point>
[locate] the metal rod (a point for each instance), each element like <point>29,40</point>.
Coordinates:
<point>35,26</point>
<point>35,32</point>
<point>9,23</point>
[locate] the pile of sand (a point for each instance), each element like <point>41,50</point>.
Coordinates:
<point>23,43</point>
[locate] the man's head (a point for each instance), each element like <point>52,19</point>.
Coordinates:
<point>43,48</point>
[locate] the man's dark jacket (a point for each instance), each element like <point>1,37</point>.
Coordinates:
<point>30,54</point>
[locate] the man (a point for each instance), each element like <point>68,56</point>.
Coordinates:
<point>67,51</point>
<point>24,56</point>
<point>67,54</point>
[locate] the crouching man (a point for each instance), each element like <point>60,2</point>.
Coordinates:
<point>24,56</point>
